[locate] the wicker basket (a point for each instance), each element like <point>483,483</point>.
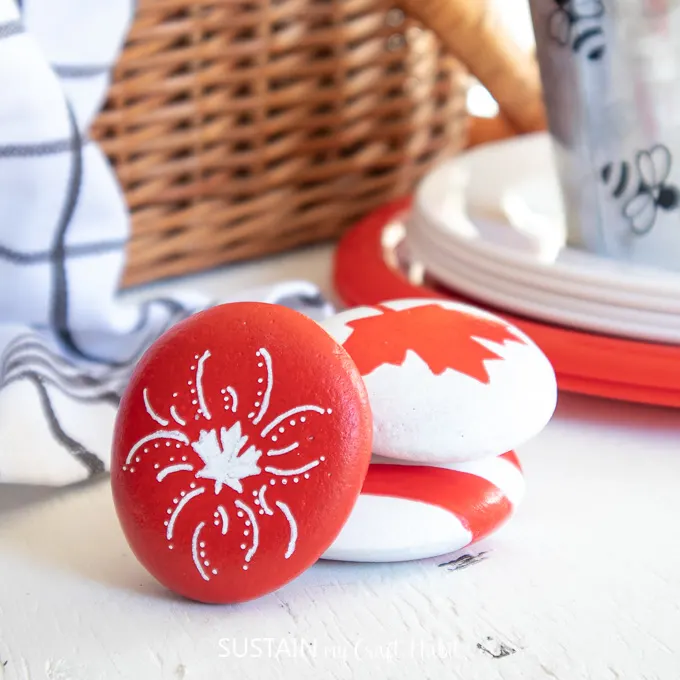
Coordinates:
<point>244,128</point>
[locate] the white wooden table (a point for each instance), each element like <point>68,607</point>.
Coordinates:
<point>584,583</point>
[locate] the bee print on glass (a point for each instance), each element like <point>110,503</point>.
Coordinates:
<point>642,187</point>
<point>577,23</point>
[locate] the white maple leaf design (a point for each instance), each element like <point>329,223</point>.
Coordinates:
<point>226,465</point>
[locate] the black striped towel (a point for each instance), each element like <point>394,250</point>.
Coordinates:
<point>67,344</point>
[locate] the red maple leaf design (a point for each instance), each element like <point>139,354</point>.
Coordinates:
<point>385,339</point>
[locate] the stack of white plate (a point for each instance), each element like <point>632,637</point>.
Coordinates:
<point>490,224</point>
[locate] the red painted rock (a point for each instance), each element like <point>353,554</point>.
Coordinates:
<point>240,447</point>
<point>446,381</point>
<point>406,512</point>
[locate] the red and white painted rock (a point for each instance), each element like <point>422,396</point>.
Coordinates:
<point>446,381</point>
<point>407,512</point>
<point>240,448</point>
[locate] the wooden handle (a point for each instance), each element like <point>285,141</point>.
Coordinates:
<point>471,32</point>
<point>485,130</point>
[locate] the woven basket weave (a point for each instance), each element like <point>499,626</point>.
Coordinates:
<point>244,128</point>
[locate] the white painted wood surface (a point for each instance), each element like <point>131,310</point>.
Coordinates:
<point>584,583</point>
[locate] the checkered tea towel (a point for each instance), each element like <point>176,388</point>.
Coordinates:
<point>67,344</point>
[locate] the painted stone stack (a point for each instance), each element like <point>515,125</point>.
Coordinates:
<point>252,441</point>
<point>453,390</point>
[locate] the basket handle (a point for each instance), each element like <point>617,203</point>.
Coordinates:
<point>472,33</point>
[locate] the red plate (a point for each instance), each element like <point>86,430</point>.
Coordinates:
<point>584,362</point>
<point>241,445</point>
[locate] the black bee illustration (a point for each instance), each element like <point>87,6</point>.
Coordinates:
<point>643,186</point>
<point>575,22</point>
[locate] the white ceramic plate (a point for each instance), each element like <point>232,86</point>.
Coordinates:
<point>489,286</point>
<point>500,203</point>
<point>665,310</point>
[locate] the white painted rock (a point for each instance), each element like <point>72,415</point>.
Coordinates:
<point>408,512</point>
<point>446,381</point>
